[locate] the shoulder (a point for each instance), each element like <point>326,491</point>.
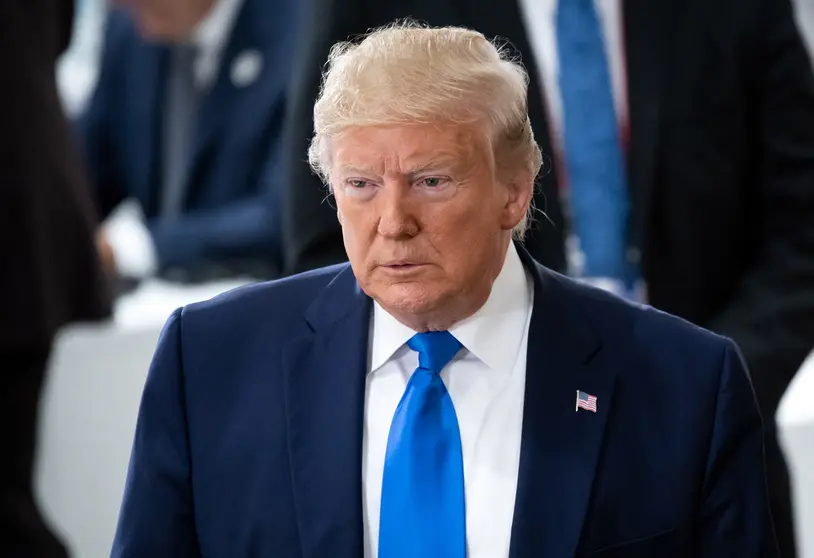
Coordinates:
<point>661,363</point>
<point>121,46</point>
<point>277,307</point>
<point>653,339</point>
<point>270,26</point>
<point>119,30</point>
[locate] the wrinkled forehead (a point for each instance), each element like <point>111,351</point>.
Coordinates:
<point>407,148</point>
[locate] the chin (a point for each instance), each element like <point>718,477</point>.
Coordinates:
<point>410,299</point>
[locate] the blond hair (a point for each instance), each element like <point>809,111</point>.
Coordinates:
<point>409,73</point>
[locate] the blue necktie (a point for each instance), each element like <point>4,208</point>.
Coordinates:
<point>596,170</point>
<point>423,506</point>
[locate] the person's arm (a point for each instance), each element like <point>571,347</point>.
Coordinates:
<point>735,518</point>
<point>771,316</point>
<point>312,235</point>
<point>156,517</point>
<point>241,231</point>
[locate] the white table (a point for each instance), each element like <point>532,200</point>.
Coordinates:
<point>795,422</point>
<point>89,413</point>
<point>94,389</point>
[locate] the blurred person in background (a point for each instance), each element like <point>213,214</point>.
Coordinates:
<point>185,120</point>
<point>49,271</point>
<point>681,135</point>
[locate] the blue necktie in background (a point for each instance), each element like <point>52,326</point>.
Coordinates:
<point>596,170</point>
<point>423,510</point>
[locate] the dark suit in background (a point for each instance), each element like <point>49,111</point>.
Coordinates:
<point>721,167</point>
<point>230,213</point>
<point>49,274</point>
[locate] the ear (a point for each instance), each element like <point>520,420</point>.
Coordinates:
<point>519,191</point>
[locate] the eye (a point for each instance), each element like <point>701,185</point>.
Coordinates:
<point>432,181</point>
<point>357,184</point>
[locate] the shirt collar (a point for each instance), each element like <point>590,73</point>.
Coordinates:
<point>211,34</point>
<point>493,334</point>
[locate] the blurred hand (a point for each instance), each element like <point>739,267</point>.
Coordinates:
<point>105,251</point>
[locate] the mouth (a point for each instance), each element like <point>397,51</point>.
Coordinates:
<point>402,266</point>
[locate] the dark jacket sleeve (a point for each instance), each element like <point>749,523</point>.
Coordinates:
<point>771,316</point>
<point>735,519</point>
<point>156,517</point>
<point>310,231</point>
<point>240,231</point>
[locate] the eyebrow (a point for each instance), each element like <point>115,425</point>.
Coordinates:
<point>453,161</point>
<point>441,160</point>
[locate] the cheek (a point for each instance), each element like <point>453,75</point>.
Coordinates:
<point>348,214</point>
<point>358,224</point>
<point>464,236</point>
<point>469,218</point>
<point>455,234</point>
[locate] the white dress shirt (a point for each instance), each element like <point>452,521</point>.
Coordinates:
<point>486,382</point>
<point>126,231</point>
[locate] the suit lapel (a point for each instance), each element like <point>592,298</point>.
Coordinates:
<point>218,101</point>
<point>325,398</point>
<point>262,31</point>
<point>560,445</point>
<point>646,32</point>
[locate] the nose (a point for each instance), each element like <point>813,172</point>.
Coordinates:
<point>397,218</point>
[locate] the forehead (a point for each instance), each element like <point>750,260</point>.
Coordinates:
<point>407,146</point>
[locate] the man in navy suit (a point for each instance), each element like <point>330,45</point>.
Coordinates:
<point>185,120</point>
<point>442,395</point>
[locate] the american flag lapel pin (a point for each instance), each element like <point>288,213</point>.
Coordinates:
<point>585,401</point>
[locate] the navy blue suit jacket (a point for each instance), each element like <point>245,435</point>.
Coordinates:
<point>249,437</point>
<point>231,210</point>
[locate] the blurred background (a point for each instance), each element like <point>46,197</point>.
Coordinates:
<point>219,139</point>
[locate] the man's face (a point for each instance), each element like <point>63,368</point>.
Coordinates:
<point>167,20</point>
<point>425,223</point>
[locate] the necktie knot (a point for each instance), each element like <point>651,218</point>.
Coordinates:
<point>435,349</point>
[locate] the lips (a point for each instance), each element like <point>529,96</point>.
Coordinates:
<point>402,268</point>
